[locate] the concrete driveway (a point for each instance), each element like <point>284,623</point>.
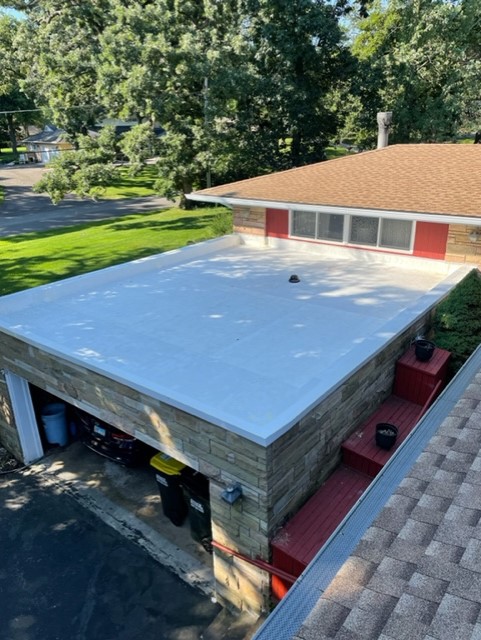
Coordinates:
<point>23,210</point>
<point>66,574</point>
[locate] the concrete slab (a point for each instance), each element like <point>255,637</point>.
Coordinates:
<point>218,330</point>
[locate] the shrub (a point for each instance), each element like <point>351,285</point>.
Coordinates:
<point>457,321</point>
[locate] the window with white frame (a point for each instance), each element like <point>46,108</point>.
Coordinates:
<point>370,231</point>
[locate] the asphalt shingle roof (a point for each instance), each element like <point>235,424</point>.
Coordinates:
<point>423,178</point>
<point>416,573</point>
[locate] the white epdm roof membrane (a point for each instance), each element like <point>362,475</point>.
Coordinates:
<point>217,329</point>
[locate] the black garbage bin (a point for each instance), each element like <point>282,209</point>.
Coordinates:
<point>169,480</point>
<point>196,488</point>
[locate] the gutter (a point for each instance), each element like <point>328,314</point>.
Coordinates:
<point>231,201</point>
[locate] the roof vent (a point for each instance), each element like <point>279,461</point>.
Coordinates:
<point>384,121</point>
<point>294,278</point>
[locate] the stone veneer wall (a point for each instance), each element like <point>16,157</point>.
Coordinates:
<point>276,480</point>
<point>221,455</point>
<point>460,248</point>
<point>250,220</point>
<point>301,460</point>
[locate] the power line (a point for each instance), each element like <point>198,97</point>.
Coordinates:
<point>80,106</point>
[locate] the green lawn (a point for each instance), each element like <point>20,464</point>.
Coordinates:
<point>6,154</point>
<point>132,187</point>
<point>39,258</point>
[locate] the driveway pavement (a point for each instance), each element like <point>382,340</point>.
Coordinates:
<point>23,210</point>
<point>66,574</point>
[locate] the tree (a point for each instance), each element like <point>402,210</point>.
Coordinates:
<point>421,60</point>
<point>13,100</point>
<point>85,171</point>
<point>59,44</point>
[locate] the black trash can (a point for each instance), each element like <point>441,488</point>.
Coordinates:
<point>169,481</point>
<point>196,488</point>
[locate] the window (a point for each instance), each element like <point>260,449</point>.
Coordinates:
<point>323,226</point>
<point>304,224</point>
<point>396,234</point>
<point>364,230</point>
<point>370,231</point>
<point>330,226</point>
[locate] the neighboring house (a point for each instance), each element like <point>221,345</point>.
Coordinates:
<point>214,355</point>
<point>44,146</point>
<point>418,199</point>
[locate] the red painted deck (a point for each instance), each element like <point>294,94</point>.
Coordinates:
<point>299,541</point>
<point>416,380</point>
<point>416,386</point>
<point>360,451</point>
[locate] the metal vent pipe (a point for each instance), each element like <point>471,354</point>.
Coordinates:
<point>384,121</point>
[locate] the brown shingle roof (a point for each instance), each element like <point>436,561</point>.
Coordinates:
<point>423,178</point>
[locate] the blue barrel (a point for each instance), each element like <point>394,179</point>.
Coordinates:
<point>55,423</point>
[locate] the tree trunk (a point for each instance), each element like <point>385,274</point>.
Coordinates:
<point>12,134</point>
<point>186,188</point>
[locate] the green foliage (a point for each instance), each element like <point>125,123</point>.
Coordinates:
<point>420,60</point>
<point>457,322</point>
<point>138,145</point>
<point>85,172</point>
<point>221,224</point>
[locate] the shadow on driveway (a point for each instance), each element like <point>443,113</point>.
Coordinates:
<point>66,574</point>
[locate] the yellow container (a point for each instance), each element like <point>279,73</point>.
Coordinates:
<point>164,463</point>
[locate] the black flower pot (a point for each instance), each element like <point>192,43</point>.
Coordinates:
<point>424,350</point>
<point>386,435</point>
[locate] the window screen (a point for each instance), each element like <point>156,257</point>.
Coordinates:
<point>330,226</point>
<point>364,230</point>
<point>396,234</point>
<point>304,224</point>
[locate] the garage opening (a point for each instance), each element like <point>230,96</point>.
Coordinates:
<point>121,473</point>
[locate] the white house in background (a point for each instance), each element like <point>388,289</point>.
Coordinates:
<point>44,146</point>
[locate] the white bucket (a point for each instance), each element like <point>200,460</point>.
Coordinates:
<point>55,423</point>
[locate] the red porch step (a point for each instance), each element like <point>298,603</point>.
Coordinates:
<point>360,451</point>
<point>302,537</point>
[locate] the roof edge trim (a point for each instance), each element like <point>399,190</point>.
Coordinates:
<point>439,218</point>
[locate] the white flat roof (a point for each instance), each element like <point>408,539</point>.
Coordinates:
<point>217,330</point>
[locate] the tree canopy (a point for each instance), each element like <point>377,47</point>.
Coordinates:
<point>244,87</point>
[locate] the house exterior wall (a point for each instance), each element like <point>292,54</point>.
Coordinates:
<point>250,220</point>
<point>460,248</point>
<point>434,241</point>
<point>430,240</point>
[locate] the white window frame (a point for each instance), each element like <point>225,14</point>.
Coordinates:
<point>347,231</point>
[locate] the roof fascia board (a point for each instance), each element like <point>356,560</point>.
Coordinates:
<point>353,211</point>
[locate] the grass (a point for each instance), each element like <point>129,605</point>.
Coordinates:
<point>33,259</point>
<point>7,155</point>
<point>336,152</point>
<point>127,186</point>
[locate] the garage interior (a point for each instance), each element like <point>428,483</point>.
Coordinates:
<point>129,485</point>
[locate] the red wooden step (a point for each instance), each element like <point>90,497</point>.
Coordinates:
<point>300,539</point>
<point>415,380</point>
<point>360,451</point>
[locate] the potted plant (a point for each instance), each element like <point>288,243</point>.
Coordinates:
<point>386,435</point>
<point>423,349</point>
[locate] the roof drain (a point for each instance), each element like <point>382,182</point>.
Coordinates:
<point>384,121</point>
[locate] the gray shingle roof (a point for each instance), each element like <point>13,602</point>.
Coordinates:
<point>416,570</point>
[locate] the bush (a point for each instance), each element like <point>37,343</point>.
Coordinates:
<point>457,321</point>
